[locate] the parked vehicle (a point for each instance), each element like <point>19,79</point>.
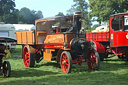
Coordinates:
<point>113,42</point>
<point>5,65</point>
<point>8,30</point>
<point>58,39</point>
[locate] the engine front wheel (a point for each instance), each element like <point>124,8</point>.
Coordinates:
<point>6,69</point>
<point>28,58</point>
<point>66,62</point>
<point>101,55</point>
<point>93,60</point>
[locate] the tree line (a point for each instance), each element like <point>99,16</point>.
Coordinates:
<point>9,14</point>
<point>92,10</point>
<point>98,10</point>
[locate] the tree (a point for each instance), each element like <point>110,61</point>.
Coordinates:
<point>29,16</point>
<point>71,11</point>
<point>60,14</point>
<point>81,6</point>
<point>102,9</point>
<point>26,13</point>
<point>7,11</point>
<point>39,15</point>
<point>20,19</point>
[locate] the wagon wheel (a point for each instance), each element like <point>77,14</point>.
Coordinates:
<point>6,69</point>
<point>93,60</point>
<point>28,58</point>
<point>123,57</point>
<point>66,62</point>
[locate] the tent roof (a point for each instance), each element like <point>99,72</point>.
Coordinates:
<point>22,27</point>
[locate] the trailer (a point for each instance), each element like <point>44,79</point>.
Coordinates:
<point>8,30</point>
<point>58,39</point>
<point>113,42</point>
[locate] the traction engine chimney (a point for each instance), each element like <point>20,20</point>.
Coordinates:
<point>78,22</point>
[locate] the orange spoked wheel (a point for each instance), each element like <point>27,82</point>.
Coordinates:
<point>28,58</point>
<point>93,60</point>
<point>66,62</point>
<point>6,69</point>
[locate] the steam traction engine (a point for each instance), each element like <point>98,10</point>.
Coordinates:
<point>5,65</point>
<point>113,42</point>
<point>57,39</point>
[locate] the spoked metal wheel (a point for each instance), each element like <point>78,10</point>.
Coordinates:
<point>66,62</point>
<point>28,58</point>
<point>93,60</point>
<point>6,69</point>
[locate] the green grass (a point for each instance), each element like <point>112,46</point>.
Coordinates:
<point>112,72</point>
<point>17,51</point>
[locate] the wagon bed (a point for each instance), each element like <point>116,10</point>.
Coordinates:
<point>99,36</point>
<point>29,38</point>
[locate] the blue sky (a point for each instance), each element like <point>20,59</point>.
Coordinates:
<point>48,7</point>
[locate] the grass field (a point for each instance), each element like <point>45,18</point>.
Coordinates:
<point>112,72</point>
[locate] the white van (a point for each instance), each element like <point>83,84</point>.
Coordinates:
<point>8,30</point>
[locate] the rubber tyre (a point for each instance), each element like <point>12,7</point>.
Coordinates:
<point>120,56</point>
<point>6,69</point>
<point>66,62</point>
<point>101,55</point>
<point>32,60</point>
<point>93,60</point>
<point>28,58</point>
<point>124,58</point>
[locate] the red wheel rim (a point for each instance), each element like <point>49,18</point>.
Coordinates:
<point>26,57</point>
<point>64,63</point>
<point>92,61</point>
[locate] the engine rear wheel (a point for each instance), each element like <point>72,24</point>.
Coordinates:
<point>28,58</point>
<point>93,60</point>
<point>6,69</point>
<point>66,62</point>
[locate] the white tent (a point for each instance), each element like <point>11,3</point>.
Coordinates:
<point>101,29</point>
<point>23,27</point>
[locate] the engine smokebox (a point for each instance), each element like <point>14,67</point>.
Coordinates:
<point>80,46</point>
